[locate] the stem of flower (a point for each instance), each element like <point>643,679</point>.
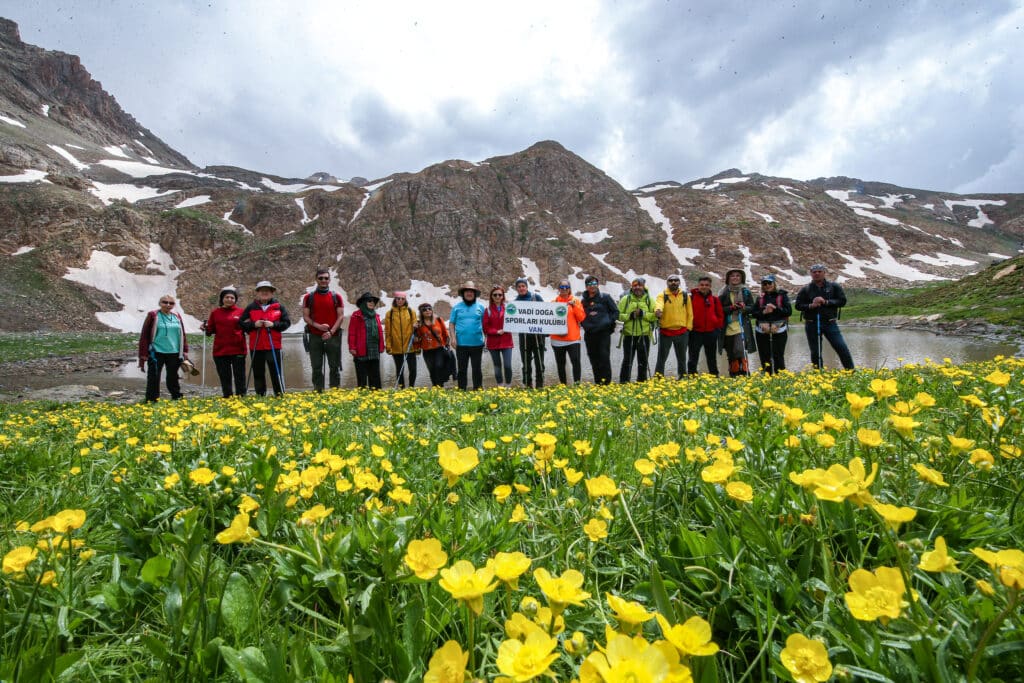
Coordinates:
<point>1015,599</point>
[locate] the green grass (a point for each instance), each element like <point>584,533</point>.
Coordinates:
<point>15,346</point>
<point>977,296</point>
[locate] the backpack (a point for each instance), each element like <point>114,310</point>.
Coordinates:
<point>778,301</point>
<point>334,296</point>
<point>664,295</point>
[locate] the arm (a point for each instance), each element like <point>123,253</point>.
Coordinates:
<point>245,322</point>
<point>577,310</point>
<point>803,299</point>
<point>340,311</point>
<point>648,307</point>
<point>838,296</point>
<point>145,339</point>
<point>613,308</point>
<point>352,332</point>
<point>623,309</point>
<point>284,322</point>
<point>786,309</point>
<point>444,332</point>
<point>184,336</point>
<point>688,313</point>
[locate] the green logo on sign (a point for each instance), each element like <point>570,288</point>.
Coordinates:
<point>561,311</point>
<point>510,309</point>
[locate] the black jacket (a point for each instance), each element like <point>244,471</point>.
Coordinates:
<point>782,311</point>
<point>601,312</point>
<point>832,293</point>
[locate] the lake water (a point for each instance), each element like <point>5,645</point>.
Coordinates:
<point>871,347</point>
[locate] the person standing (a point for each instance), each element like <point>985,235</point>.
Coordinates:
<point>366,341</point>
<point>772,314</point>
<point>499,342</point>
<point>465,326</point>
<point>399,322</point>
<point>708,319</point>
<point>265,319</point>
<point>738,337</point>
<point>568,344</point>
<point>531,346</point>
<point>600,314</point>
<point>819,302</point>
<point>674,312</point>
<point>432,339</point>
<point>636,311</point>
<point>228,343</point>
<point>164,347</point>
<point>323,311</point>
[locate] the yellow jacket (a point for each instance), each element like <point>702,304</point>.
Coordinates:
<point>398,326</point>
<point>676,310</point>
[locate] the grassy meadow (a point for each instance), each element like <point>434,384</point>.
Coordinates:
<point>810,527</point>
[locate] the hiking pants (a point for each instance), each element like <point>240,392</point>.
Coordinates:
<point>639,346</point>
<point>502,359</point>
<point>367,373</point>
<point>409,363</point>
<point>737,355</point>
<point>531,354</point>
<point>707,341</point>
<point>157,364</point>
<point>599,352</point>
<point>261,360</point>
<point>573,352</point>
<point>436,365</point>
<point>830,331</point>
<point>463,356</point>
<point>677,343</point>
<point>320,348</point>
<point>231,368</point>
<point>771,351</point>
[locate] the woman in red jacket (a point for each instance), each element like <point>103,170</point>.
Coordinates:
<point>228,343</point>
<point>265,319</point>
<point>366,341</point>
<point>498,341</point>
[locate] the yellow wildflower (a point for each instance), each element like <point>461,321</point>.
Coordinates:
<point>508,567</point>
<point>880,595</point>
<point>596,529</point>
<point>447,664</point>
<point>929,475</point>
<point>468,584</point>
<point>238,532</point>
<point>523,661</point>
<point>806,659</point>
<point>425,557</point>
<point>562,590</point>
<point>938,560</point>
<point>456,461</point>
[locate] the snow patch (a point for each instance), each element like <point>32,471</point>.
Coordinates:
<point>732,180</point>
<point>148,150</point>
<point>859,207</point>
<point>227,217</point>
<point>13,122</point>
<point>889,201</point>
<point>361,207</point>
<point>137,169</point>
<point>704,186</point>
<point>767,217</point>
<point>930,207</point>
<point>45,109</point>
<point>21,250</point>
<point>136,293</point>
<point>591,237</point>
<point>885,264</point>
<point>981,220</point>
<point>376,186</point>
<point>69,157</point>
<point>941,259</point>
<point>116,151</point>
<point>999,256</point>
<point>683,255</point>
<point>193,201</point>
<point>748,263</point>
<point>108,192</point>
<point>789,190</point>
<point>654,285</point>
<point>656,187</point>
<point>295,188</point>
<point>305,220</point>
<point>789,255</point>
<point>30,175</point>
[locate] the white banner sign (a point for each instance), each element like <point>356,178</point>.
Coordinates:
<point>536,317</point>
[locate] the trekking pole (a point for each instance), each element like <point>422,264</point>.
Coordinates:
<point>743,342</point>
<point>401,366</point>
<point>203,378</point>
<point>771,347</point>
<point>278,366</point>
<point>821,361</point>
<point>252,358</point>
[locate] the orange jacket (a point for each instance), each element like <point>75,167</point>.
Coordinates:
<point>573,319</point>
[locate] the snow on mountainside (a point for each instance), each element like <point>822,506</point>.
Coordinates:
<point>98,218</point>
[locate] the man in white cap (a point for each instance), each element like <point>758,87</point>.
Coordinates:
<point>265,319</point>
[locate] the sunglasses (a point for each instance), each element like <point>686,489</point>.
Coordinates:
<point>427,308</point>
<point>591,284</point>
<point>675,281</point>
<point>166,303</point>
<point>497,294</point>
<point>564,287</point>
<point>325,279</point>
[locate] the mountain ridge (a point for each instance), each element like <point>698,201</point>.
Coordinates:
<point>99,217</point>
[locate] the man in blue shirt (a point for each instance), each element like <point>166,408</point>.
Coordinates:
<point>467,334</point>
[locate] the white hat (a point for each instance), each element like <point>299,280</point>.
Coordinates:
<point>265,284</point>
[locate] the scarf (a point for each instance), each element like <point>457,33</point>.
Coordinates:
<point>372,333</point>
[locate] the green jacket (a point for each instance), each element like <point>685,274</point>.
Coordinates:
<point>638,327</point>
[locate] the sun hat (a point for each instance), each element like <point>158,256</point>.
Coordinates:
<point>469,284</point>
<point>265,284</point>
<point>366,296</point>
<point>743,274</point>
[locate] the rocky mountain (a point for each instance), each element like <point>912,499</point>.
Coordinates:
<point>99,218</point>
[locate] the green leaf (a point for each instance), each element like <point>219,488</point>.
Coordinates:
<point>661,599</point>
<point>867,674</point>
<point>238,605</point>
<point>249,663</point>
<point>156,569</point>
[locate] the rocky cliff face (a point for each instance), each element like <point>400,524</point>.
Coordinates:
<point>98,218</point>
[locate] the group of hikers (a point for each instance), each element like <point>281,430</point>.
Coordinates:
<point>679,321</point>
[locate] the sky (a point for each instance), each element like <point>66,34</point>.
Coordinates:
<point>919,94</point>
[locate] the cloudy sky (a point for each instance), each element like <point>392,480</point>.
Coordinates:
<point>921,94</point>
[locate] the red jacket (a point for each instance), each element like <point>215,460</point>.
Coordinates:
<point>357,334</point>
<point>708,315</point>
<point>228,338</point>
<point>494,320</point>
<point>146,336</point>
<point>259,339</point>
